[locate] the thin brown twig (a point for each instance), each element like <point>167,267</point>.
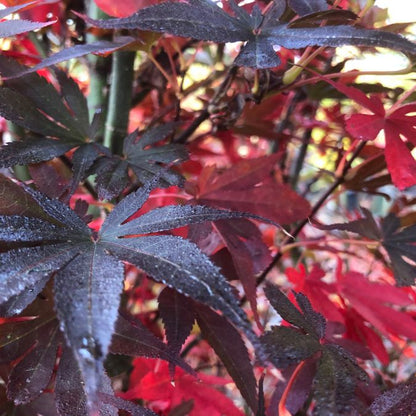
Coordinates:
<point>222,89</point>
<point>289,239</point>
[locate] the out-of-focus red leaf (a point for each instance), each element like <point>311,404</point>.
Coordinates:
<point>397,123</point>
<point>122,8</point>
<point>50,177</point>
<point>357,330</point>
<point>15,201</point>
<point>248,187</point>
<point>374,302</point>
<point>151,381</point>
<point>364,126</point>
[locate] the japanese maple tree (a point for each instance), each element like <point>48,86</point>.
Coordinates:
<point>203,211</point>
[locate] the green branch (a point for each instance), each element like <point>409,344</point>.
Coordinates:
<point>119,100</point>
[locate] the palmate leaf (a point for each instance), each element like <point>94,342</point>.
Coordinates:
<point>198,19</point>
<point>399,242</point>
<point>337,372</point>
<point>41,337</point>
<point>203,20</point>
<point>32,346</point>
<point>89,273</point>
<point>178,314</point>
<point>60,120</point>
<point>38,98</point>
<point>132,338</point>
<point>144,157</point>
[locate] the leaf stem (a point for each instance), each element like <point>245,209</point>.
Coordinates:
<point>368,244</point>
<point>122,76</point>
<point>282,404</point>
<point>348,74</point>
<point>294,177</point>
<point>222,89</point>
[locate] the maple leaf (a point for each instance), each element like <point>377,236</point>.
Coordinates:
<point>34,104</point>
<point>60,123</point>
<point>144,158</point>
<point>396,123</point>
<point>337,373</point>
<point>151,381</point>
<point>101,47</point>
<point>247,186</point>
<point>178,317</point>
<point>179,313</point>
<point>89,271</point>
<point>375,303</point>
<point>32,343</point>
<point>305,7</point>
<point>311,284</point>
<point>203,20</point>
<point>363,303</point>
<point>229,346</point>
<point>13,27</point>
<point>399,242</point>
<point>398,401</point>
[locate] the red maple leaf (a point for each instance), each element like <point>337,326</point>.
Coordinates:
<point>377,304</point>
<point>366,309</point>
<point>396,122</point>
<point>317,291</point>
<point>151,381</point>
<point>248,186</point>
